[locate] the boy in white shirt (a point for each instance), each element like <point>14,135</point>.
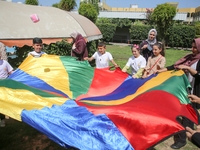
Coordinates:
<point>102,57</point>
<point>37,45</point>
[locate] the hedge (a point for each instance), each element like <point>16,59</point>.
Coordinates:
<point>139,32</point>
<point>197,27</point>
<point>107,30</point>
<point>181,36</point>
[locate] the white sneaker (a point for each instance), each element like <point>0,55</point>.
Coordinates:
<point>2,123</point>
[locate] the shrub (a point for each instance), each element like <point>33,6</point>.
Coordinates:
<point>139,32</point>
<point>197,27</point>
<point>181,36</point>
<point>61,48</point>
<point>107,30</point>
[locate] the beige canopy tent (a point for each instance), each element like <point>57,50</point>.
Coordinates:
<point>17,28</point>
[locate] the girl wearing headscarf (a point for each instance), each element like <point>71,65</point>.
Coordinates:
<point>79,48</point>
<point>147,45</point>
<point>191,66</point>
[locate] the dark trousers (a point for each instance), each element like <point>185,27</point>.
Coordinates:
<point>181,137</point>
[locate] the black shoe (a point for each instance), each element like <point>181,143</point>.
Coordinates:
<point>178,145</point>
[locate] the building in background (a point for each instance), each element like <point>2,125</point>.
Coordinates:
<point>186,15</point>
<point>183,14</point>
<point>196,15</point>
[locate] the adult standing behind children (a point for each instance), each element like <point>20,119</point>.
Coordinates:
<point>79,48</point>
<point>147,45</point>
<point>137,63</point>
<point>102,57</point>
<point>156,61</point>
<point>5,70</point>
<point>37,45</point>
<point>191,65</point>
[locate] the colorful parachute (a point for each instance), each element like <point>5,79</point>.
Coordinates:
<point>80,106</point>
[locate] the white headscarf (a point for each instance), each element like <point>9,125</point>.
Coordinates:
<point>152,42</point>
<point>74,34</point>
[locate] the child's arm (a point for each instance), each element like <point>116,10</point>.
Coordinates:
<point>145,74</point>
<point>88,59</point>
<point>162,63</point>
<point>147,68</point>
<point>113,62</point>
<point>161,70</point>
<point>10,72</point>
<point>125,68</point>
<point>139,73</point>
<point>161,66</point>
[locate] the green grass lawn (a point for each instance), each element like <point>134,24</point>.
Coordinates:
<point>20,136</point>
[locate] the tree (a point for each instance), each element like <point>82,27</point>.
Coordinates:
<point>32,2</point>
<point>89,11</point>
<point>56,5</point>
<point>149,20</point>
<point>93,2</point>
<point>163,16</point>
<point>67,4</point>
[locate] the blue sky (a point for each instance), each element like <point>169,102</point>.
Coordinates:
<point>126,3</point>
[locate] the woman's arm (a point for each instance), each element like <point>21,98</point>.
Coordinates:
<point>194,135</point>
<point>191,71</point>
<point>79,48</point>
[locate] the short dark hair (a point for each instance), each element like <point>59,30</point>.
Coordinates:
<point>101,44</point>
<point>37,40</point>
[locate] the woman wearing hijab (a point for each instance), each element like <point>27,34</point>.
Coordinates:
<point>191,66</point>
<point>147,45</point>
<point>79,48</point>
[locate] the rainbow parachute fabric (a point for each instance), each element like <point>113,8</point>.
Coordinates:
<point>77,105</point>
